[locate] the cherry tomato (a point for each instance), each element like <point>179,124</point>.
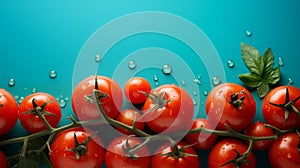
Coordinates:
<point>3,160</point>
<point>66,152</point>
<point>167,158</point>
<point>85,109</point>
<point>9,112</point>
<point>127,117</point>
<point>258,129</point>
<point>201,140</point>
<point>34,106</point>
<point>284,152</point>
<point>279,107</point>
<point>230,104</point>
<point>133,88</point>
<point>116,155</point>
<point>225,151</point>
<point>169,108</point>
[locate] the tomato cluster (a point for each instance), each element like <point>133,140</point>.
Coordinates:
<point>162,116</point>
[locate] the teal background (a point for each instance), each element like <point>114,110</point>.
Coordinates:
<point>41,35</point>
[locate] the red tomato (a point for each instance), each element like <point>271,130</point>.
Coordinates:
<point>279,106</point>
<point>127,117</point>
<point>64,149</point>
<point>258,129</point>
<point>86,110</point>
<point>9,112</point>
<point>116,157</point>
<point>42,103</point>
<point>169,109</point>
<point>133,87</point>
<point>3,160</point>
<point>224,151</point>
<point>187,158</point>
<point>202,141</point>
<point>284,152</point>
<point>230,104</point>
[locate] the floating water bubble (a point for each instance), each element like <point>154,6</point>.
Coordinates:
<point>62,103</point>
<point>195,93</point>
<point>183,83</point>
<point>197,81</point>
<point>248,33</point>
<point>98,58</point>
<point>167,69</point>
<point>33,90</point>
<point>25,89</point>
<point>52,74</point>
<point>230,63</point>
<point>290,81</point>
<point>156,83</point>
<point>194,102</point>
<point>280,61</point>
<point>11,82</point>
<point>205,93</point>
<point>216,80</point>
<point>67,98</point>
<point>131,65</point>
<point>155,78</point>
<point>21,99</point>
<point>17,97</point>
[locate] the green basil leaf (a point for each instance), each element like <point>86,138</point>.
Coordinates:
<point>251,80</point>
<point>273,77</point>
<point>252,59</point>
<point>263,89</point>
<point>268,59</point>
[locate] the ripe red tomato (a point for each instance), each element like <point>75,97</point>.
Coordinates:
<point>127,117</point>
<point>9,112</point>
<point>169,109</point>
<point>64,149</point>
<point>3,160</point>
<point>133,87</point>
<point>187,157</point>
<point>42,103</point>
<point>230,104</point>
<point>258,129</point>
<point>201,140</point>
<point>225,151</point>
<point>116,157</point>
<point>284,152</point>
<point>86,110</point>
<point>279,106</point>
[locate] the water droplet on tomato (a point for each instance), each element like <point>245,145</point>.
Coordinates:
<point>52,74</point>
<point>216,81</point>
<point>11,82</point>
<point>131,65</point>
<point>167,69</point>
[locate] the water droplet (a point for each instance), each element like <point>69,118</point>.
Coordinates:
<point>98,58</point>
<point>155,77</point>
<point>230,63</point>
<point>21,99</point>
<point>195,93</point>
<point>194,102</point>
<point>248,33</point>
<point>183,83</point>
<point>216,81</point>
<point>205,93</point>
<point>290,81</point>
<point>57,98</point>
<point>17,97</point>
<point>25,89</point>
<point>62,103</point>
<point>197,81</point>
<point>280,61</point>
<point>11,82</point>
<point>131,65</point>
<point>33,90</point>
<point>52,74</point>
<point>67,98</point>
<point>167,69</point>
<point>156,83</point>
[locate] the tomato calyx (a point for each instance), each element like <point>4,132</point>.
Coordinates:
<point>236,100</point>
<point>238,161</point>
<point>159,100</point>
<point>92,99</point>
<point>128,150</point>
<point>288,105</point>
<point>179,152</point>
<point>80,148</point>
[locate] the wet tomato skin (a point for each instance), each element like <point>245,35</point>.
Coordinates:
<point>133,88</point>
<point>127,117</point>
<point>32,122</point>
<point>284,151</point>
<point>9,112</point>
